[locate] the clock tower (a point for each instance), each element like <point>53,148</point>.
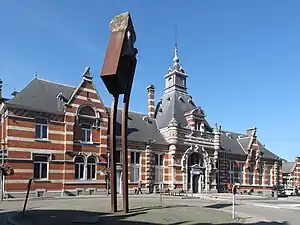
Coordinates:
<point>175,79</point>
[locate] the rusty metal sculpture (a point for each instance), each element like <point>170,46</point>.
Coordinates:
<point>117,74</point>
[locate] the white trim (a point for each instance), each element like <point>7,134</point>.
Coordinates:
<point>70,114</point>
<point>33,130</point>
<point>85,98</point>
<point>70,123</point>
<point>37,181</point>
<point>88,90</point>
<point>77,105</point>
<point>11,138</point>
<point>50,171</point>
<point>38,151</point>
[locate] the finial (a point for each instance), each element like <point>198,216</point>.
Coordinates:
<point>36,75</point>
<point>87,72</point>
<point>176,59</point>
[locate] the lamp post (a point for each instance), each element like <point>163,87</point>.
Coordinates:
<point>117,74</point>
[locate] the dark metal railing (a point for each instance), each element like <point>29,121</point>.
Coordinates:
<point>27,195</point>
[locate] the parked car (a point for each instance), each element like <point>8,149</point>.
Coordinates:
<point>289,191</point>
<point>280,190</point>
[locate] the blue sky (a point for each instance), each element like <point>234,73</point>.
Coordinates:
<point>242,57</point>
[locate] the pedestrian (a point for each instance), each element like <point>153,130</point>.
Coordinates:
<point>296,190</point>
<point>139,190</point>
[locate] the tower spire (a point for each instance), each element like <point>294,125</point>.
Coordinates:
<point>176,58</point>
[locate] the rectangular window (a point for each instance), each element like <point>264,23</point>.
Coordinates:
<point>241,173</point>
<point>251,173</point>
<point>86,133</point>
<point>91,171</point>
<point>231,172</point>
<point>41,128</point>
<point>261,174</point>
<point>40,166</point>
<point>159,168</point>
<point>135,167</point>
<point>79,171</point>
<point>197,125</point>
<point>118,156</point>
<point>270,175</point>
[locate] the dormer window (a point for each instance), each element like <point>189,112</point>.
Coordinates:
<point>197,125</point>
<point>41,128</point>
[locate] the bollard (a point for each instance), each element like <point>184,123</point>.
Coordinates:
<point>160,197</point>
<point>27,194</point>
<point>233,201</point>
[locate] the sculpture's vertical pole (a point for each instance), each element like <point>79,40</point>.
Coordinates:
<point>113,176</point>
<point>124,137</point>
<point>125,153</point>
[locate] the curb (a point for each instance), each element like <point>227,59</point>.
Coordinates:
<point>77,197</point>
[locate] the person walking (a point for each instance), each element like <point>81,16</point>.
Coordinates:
<point>139,190</point>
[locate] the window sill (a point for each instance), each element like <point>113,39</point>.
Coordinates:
<point>84,182</point>
<point>42,140</point>
<point>41,181</point>
<point>84,143</point>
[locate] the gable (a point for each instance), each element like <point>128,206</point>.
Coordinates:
<point>288,167</point>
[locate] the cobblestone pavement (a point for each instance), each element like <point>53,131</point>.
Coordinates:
<point>145,209</point>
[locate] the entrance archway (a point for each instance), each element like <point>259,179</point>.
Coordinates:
<point>196,167</point>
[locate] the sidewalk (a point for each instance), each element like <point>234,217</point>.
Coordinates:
<point>143,211</point>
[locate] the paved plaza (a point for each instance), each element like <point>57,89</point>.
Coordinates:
<point>145,209</point>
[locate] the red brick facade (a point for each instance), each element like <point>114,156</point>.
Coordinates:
<point>291,173</point>
<point>67,152</point>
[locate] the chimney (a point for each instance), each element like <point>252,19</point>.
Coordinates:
<point>251,132</point>
<point>1,82</point>
<point>151,90</point>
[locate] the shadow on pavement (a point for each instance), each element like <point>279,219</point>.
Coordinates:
<point>68,217</point>
<point>218,206</point>
<point>143,209</point>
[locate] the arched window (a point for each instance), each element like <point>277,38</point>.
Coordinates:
<point>91,168</point>
<point>79,168</point>
<point>86,118</point>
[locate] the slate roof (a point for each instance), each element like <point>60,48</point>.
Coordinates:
<point>41,95</point>
<point>237,143</point>
<point>171,104</point>
<point>140,128</point>
<point>288,167</point>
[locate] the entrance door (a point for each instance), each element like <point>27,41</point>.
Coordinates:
<point>201,182</point>
<point>195,183</point>
<point>118,181</point>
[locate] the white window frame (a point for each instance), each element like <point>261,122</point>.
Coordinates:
<point>262,175</point>
<point>85,134</point>
<point>270,173</point>
<point>231,172</point>
<point>135,168</point>
<point>40,163</point>
<point>79,168</point>
<point>251,174</point>
<point>91,166</point>
<point>242,172</point>
<point>159,169</point>
<point>41,125</point>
